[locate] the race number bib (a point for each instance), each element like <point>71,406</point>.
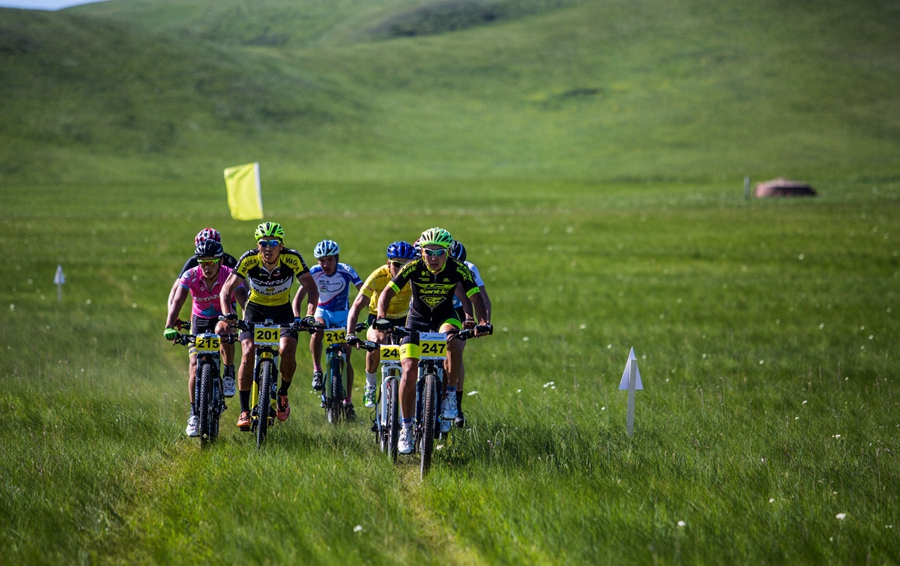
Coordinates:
<point>207,343</point>
<point>433,345</point>
<point>266,335</point>
<point>334,336</point>
<point>390,353</point>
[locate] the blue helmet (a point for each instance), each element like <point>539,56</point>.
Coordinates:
<point>401,250</point>
<point>458,251</point>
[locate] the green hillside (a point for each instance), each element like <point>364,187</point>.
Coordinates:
<point>607,90</point>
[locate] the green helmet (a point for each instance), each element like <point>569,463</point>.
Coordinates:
<point>437,237</point>
<point>269,230</point>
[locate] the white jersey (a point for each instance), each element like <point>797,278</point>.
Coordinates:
<point>334,290</point>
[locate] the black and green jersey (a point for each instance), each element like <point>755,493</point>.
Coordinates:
<point>434,291</point>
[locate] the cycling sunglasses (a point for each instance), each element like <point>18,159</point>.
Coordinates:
<point>434,253</point>
<point>268,243</point>
<point>208,261</point>
<point>398,263</point>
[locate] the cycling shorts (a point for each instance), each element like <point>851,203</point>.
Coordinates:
<point>281,314</point>
<point>409,346</point>
<point>333,319</point>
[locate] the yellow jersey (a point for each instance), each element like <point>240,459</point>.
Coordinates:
<point>376,283</point>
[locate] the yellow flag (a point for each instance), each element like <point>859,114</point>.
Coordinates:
<point>244,192</point>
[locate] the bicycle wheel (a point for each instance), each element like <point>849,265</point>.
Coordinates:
<point>263,407</point>
<point>202,401</point>
<point>335,389</point>
<point>216,409</point>
<point>392,434</point>
<point>429,410</point>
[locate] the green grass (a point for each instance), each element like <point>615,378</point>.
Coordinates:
<point>590,154</point>
<point>753,360</point>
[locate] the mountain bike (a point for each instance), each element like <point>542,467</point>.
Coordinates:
<point>333,390</point>
<point>386,422</point>
<point>209,399</point>
<point>429,385</point>
<point>266,340</point>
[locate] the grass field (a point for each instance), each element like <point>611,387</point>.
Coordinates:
<point>591,157</point>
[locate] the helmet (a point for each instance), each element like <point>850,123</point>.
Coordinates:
<point>458,251</point>
<point>209,248</point>
<point>437,237</point>
<point>326,248</point>
<point>207,234</point>
<point>269,230</point>
<point>401,250</point>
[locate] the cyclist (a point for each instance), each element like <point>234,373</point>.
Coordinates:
<point>204,284</point>
<point>333,280</point>
<point>270,270</point>
<point>398,255</point>
<point>203,235</point>
<point>463,308</point>
<point>433,277</point>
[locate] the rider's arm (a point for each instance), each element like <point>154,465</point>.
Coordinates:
<point>179,296</point>
<point>361,302</point>
<point>309,289</point>
<point>228,289</point>
<point>241,296</point>
<point>480,311</point>
<point>384,300</point>
<point>464,301</point>
<point>487,301</point>
<point>174,288</point>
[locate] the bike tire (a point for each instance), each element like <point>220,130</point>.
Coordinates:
<point>203,400</point>
<point>216,409</point>
<point>336,389</point>
<point>429,410</point>
<point>264,404</point>
<point>392,434</point>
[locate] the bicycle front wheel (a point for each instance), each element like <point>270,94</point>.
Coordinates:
<point>429,410</point>
<point>392,434</point>
<point>203,400</point>
<point>335,389</point>
<point>264,404</point>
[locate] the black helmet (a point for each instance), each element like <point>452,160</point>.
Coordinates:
<point>458,251</point>
<point>209,248</point>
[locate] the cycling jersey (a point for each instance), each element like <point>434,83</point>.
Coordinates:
<point>375,284</point>
<point>457,304</point>
<point>205,299</point>
<point>271,288</point>
<point>334,290</point>
<point>227,260</point>
<point>434,291</point>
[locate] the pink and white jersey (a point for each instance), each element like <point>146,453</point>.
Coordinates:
<point>206,300</point>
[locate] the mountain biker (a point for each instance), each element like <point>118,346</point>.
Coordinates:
<point>270,270</point>
<point>464,312</point>
<point>203,235</point>
<point>204,284</point>
<point>398,255</point>
<point>333,280</point>
<point>433,278</point>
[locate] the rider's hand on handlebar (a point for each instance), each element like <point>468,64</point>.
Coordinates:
<point>353,340</point>
<point>170,334</point>
<point>382,324</point>
<point>469,323</point>
<point>484,329</point>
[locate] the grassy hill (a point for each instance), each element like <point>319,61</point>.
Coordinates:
<point>360,90</point>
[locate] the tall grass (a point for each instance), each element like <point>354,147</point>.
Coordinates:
<point>769,405</point>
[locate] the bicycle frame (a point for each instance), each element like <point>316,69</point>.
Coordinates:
<point>333,393</point>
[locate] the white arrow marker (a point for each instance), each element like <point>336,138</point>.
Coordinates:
<point>631,380</point>
<point>59,280</point>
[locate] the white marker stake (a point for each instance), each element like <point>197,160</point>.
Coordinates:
<point>59,280</point>
<point>631,380</point>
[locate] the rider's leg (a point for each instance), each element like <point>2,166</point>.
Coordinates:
<point>347,352</point>
<point>245,372</point>
<point>315,347</point>
<point>408,387</point>
<point>288,352</point>
<point>192,379</point>
<point>454,355</point>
